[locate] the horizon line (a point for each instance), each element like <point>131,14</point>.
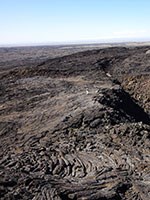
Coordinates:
<point>77,42</point>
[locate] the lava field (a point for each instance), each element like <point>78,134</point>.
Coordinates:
<point>76,126</point>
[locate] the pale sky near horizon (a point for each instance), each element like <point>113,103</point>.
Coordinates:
<point>50,21</point>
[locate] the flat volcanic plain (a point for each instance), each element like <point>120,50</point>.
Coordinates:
<point>75,123</point>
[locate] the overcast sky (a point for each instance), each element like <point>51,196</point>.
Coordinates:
<point>50,21</point>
